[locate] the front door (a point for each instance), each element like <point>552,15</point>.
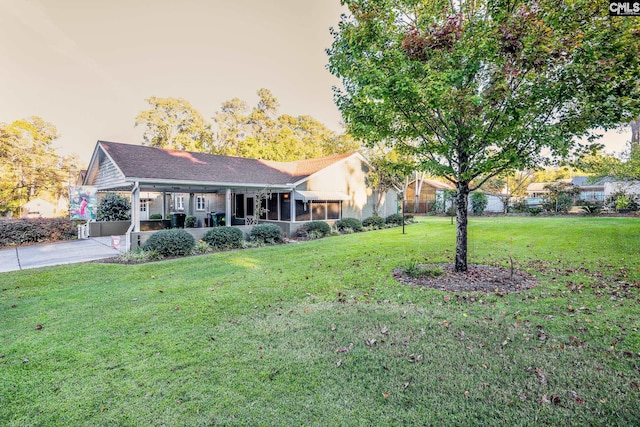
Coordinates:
<point>144,210</point>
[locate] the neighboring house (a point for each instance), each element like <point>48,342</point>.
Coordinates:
<point>40,208</point>
<point>589,191</point>
<point>428,192</point>
<point>242,191</point>
<point>629,187</point>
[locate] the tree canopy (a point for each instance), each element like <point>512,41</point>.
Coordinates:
<point>174,123</point>
<point>479,88</point>
<point>29,165</point>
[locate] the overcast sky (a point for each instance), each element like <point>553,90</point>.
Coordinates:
<point>87,66</point>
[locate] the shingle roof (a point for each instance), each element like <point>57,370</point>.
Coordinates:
<point>151,163</point>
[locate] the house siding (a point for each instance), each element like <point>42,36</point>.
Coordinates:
<point>108,176</point>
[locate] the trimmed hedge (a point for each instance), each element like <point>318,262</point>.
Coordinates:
<point>266,233</point>
<point>394,219</point>
<point>374,222</point>
<point>224,237</point>
<point>190,222</point>
<point>16,232</point>
<point>352,223</point>
<point>321,228</point>
<point>174,242</point>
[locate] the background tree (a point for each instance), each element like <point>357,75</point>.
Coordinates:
<point>560,197</point>
<point>479,88</point>
<point>626,168</point>
<point>29,164</point>
<point>260,132</point>
<point>174,123</point>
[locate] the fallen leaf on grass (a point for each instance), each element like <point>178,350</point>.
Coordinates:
<point>413,358</point>
<point>39,327</point>
<point>370,342</point>
<point>342,349</point>
<point>384,330</point>
<point>385,395</point>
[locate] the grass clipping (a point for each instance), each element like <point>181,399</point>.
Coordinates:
<point>478,278</point>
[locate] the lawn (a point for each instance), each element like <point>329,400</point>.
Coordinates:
<point>319,333</point>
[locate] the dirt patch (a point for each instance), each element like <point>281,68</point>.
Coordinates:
<point>478,278</point>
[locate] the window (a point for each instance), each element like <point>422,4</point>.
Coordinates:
<point>178,203</point>
<point>144,206</point>
<point>319,211</point>
<point>333,210</point>
<point>239,210</point>
<point>200,203</point>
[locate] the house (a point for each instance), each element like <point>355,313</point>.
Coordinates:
<point>40,208</point>
<point>235,191</point>
<point>421,195</point>
<point>589,191</point>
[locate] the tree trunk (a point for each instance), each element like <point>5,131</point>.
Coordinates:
<point>635,131</point>
<point>462,201</point>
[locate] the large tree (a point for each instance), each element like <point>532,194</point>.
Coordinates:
<point>260,132</point>
<point>482,87</point>
<point>174,123</point>
<point>29,165</point>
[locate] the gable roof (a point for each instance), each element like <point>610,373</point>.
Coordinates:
<point>151,164</point>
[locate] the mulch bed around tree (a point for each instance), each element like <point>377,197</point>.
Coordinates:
<point>478,278</point>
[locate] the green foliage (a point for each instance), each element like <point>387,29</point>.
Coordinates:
<point>414,269</point>
<point>560,197</point>
<point>174,123</point>
<point>396,219</point>
<point>474,89</point>
<point>320,228</point>
<point>259,132</point>
<point>266,233</point>
<point>353,224</point>
<point>479,202</point>
<point>224,238</point>
<point>29,165</point>
<point>190,221</point>
<point>16,232</point>
<point>621,200</point>
<point>174,242</point>
<point>201,247</point>
<point>113,207</point>
<point>376,222</point>
<point>155,216</point>
<point>139,256</point>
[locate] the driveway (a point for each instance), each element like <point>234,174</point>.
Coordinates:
<point>68,252</point>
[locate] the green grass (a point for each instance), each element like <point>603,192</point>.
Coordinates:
<point>319,333</point>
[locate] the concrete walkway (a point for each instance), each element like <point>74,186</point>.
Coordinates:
<point>68,252</point>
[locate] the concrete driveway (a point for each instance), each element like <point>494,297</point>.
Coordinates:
<point>68,252</point>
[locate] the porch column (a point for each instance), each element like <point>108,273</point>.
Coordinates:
<point>227,207</point>
<point>292,207</point>
<point>164,205</point>
<point>135,207</point>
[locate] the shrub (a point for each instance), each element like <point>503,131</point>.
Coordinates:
<point>155,216</point>
<point>190,222</point>
<point>353,223</point>
<point>318,228</point>
<point>479,202</point>
<point>174,242</point>
<point>266,233</point>
<point>408,218</point>
<point>224,237</point>
<point>374,222</point>
<point>395,219</point>
<point>114,207</point>
<point>15,232</point>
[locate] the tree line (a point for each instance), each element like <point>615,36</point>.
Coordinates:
<point>239,129</point>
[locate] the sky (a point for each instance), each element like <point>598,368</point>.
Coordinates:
<point>87,66</point>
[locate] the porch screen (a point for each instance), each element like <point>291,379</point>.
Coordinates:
<point>285,207</point>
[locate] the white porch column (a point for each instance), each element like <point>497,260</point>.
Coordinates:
<point>135,207</point>
<point>164,205</point>
<point>292,207</point>
<point>227,207</point>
